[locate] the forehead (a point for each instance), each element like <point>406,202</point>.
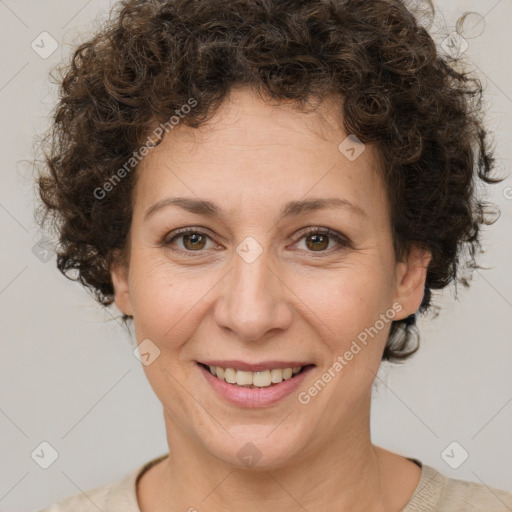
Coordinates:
<point>252,151</point>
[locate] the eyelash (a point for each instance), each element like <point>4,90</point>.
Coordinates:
<point>342,241</point>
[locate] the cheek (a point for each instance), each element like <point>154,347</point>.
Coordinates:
<point>166,301</point>
<point>170,301</point>
<point>344,301</point>
<point>358,314</point>
<point>165,309</point>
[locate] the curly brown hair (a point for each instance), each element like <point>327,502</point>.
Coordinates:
<point>420,109</point>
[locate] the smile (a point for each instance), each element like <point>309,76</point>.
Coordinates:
<point>261,379</point>
<point>256,385</point>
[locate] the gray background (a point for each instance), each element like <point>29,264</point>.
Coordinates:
<point>68,374</point>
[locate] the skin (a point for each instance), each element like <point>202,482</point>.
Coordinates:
<point>295,301</point>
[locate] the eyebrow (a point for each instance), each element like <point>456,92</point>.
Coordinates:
<point>292,208</point>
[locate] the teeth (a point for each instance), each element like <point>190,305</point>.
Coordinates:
<point>276,376</point>
<point>230,375</point>
<point>261,379</point>
<point>243,378</point>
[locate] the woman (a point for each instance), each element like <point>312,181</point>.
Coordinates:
<point>269,191</point>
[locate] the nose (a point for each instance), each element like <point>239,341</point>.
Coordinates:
<point>253,303</point>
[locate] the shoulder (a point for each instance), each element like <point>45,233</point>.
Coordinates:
<point>91,499</point>
<point>117,496</point>
<point>474,496</point>
<point>441,493</point>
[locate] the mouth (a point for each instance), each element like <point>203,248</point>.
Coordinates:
<point>265,375</point>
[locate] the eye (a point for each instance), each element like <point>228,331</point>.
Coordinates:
<point>318,240</point>
<point>192,239</point>
<point>195,240</point>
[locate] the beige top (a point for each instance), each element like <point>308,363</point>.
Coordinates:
<point>435,492</point>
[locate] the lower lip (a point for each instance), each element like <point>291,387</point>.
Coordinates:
<point>255,397</point>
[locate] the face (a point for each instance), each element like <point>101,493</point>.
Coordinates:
<point>263,277</point>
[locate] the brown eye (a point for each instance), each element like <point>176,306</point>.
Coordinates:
<point>194,241</point>
<point>321,240</point>
<point>317,242</point>
<point>187,241</point>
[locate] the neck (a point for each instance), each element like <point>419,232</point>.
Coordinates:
<point>343,472</point>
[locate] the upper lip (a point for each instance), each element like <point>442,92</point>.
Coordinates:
<point>255,367</point>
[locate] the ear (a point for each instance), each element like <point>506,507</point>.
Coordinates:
<point>119,275</point>
<point>411,275</point>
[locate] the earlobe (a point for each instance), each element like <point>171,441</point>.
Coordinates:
<point>411,277</point>
<point>119,276</point>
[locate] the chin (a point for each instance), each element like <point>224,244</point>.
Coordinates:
<point>258,447</point>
